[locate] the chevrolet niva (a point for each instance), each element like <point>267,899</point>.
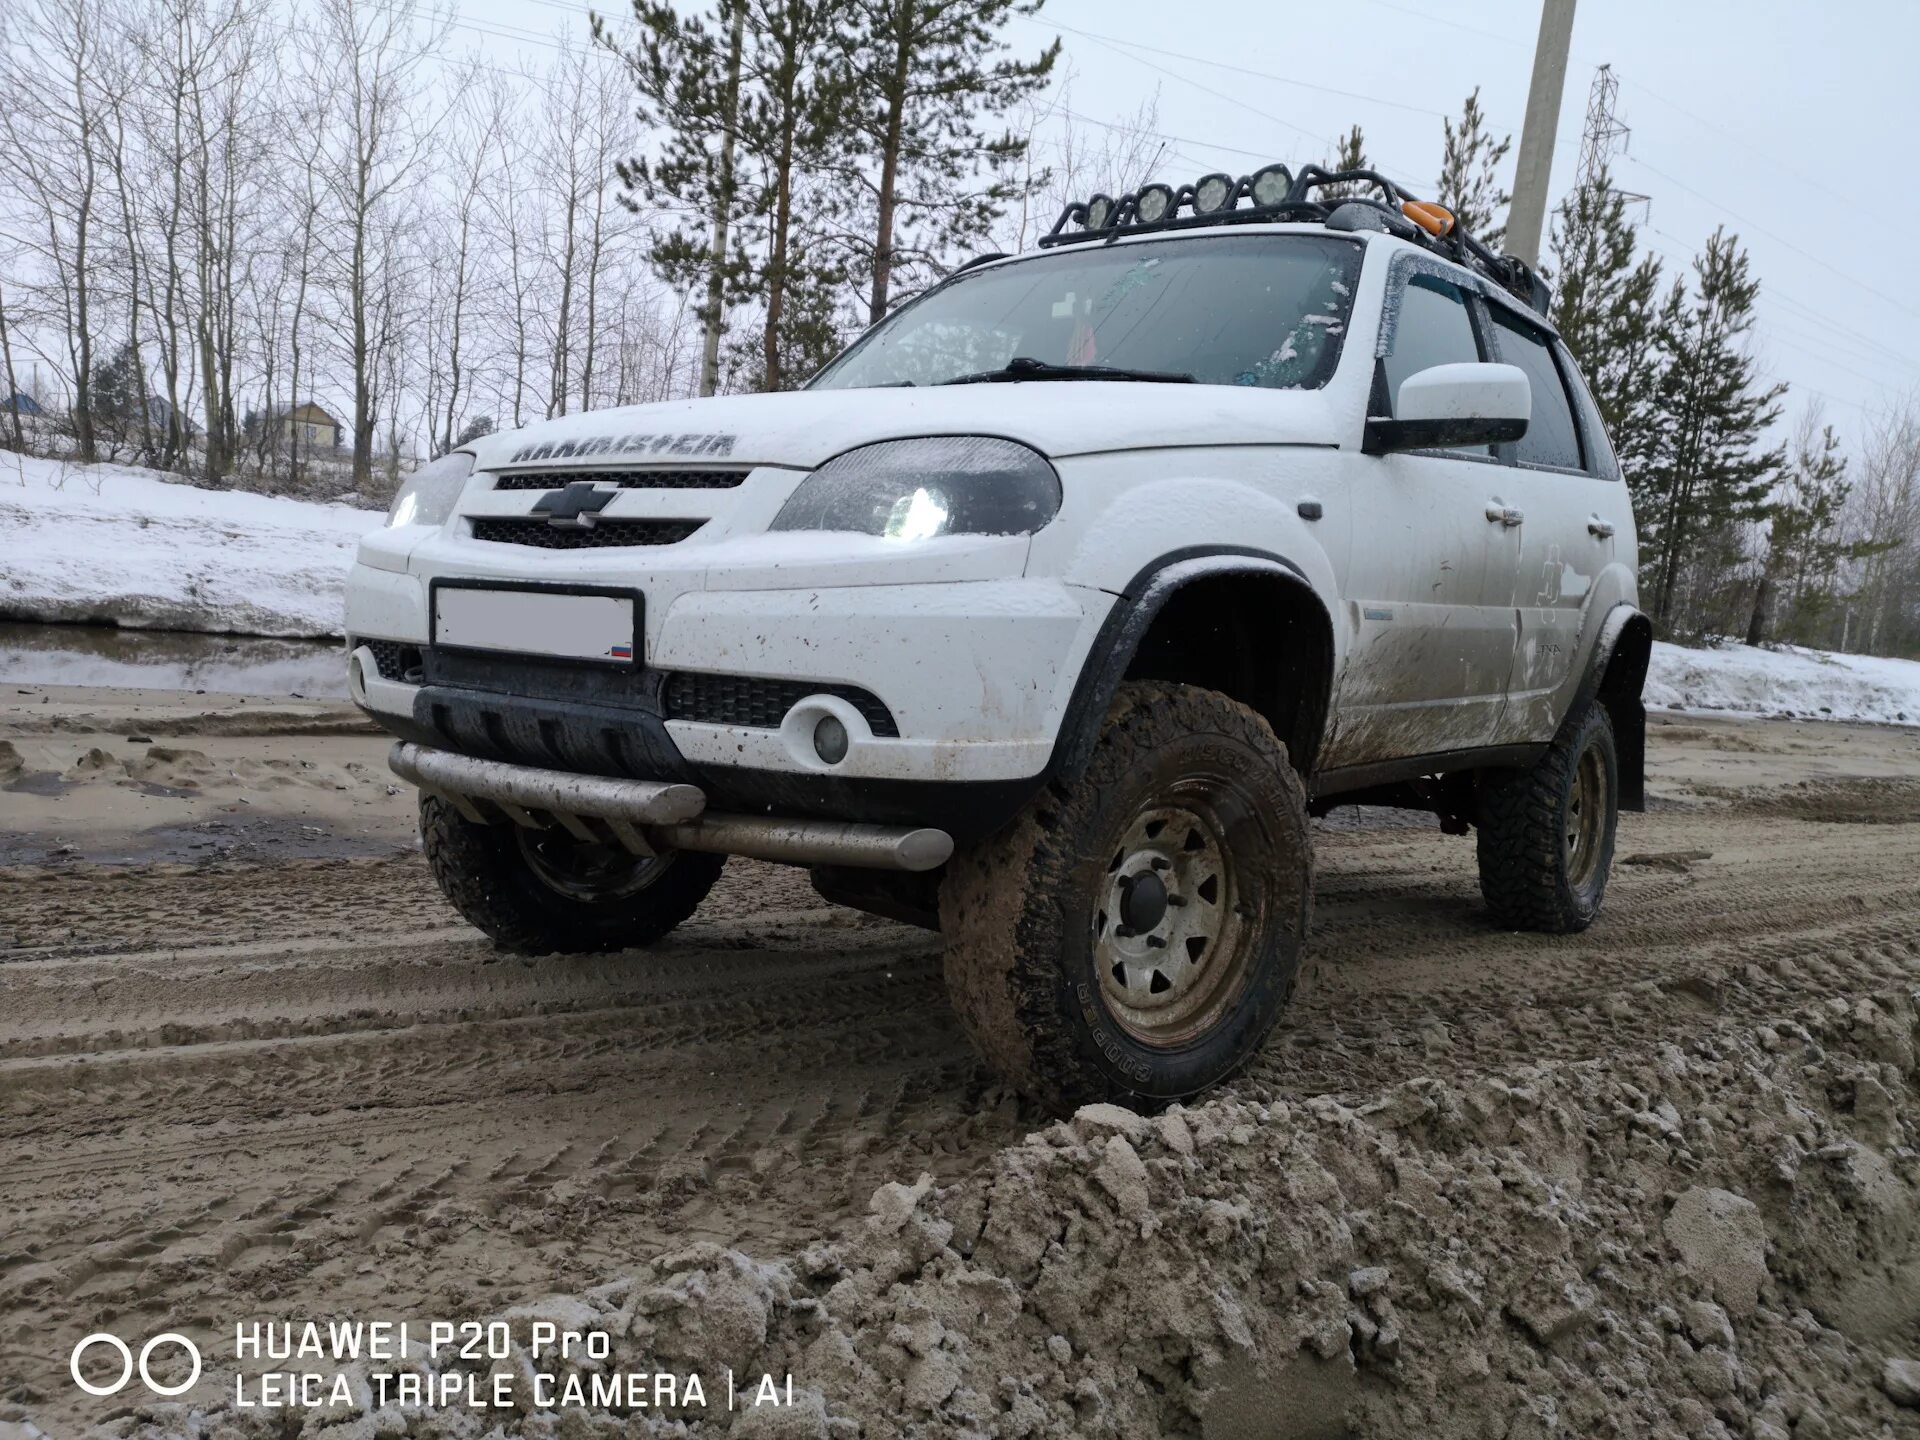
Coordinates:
<point>1046,616</point>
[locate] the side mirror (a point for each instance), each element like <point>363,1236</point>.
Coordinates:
<point>1448,405</point>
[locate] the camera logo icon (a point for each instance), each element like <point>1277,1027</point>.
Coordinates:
<point>128,1365</point>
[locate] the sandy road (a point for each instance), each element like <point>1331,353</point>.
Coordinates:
<point>301,1088</point>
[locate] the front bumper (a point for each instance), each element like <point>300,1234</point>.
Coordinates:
<point>646,817</point>
<point>975,675</point>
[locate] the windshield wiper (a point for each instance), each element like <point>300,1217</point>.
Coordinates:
<point>1025,367</point>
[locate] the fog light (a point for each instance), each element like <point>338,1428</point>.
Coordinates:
<point>830,740</point>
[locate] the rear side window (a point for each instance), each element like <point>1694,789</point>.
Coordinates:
<point>1601,460</point>
<point>1551,438</point>
<point>1434,328</point>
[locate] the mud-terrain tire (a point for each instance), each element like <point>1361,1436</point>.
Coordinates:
<point>1189,827</point>
<point>1547,833</point>
<point>493,875</point>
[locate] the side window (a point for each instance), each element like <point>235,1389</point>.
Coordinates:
<point>1434,328</point>
<point>1601,460</point>
<point>1551,438</point>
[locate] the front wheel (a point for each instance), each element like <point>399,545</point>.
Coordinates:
<point>541,891</point>
<point>1546,834</point>
<point>1135,933</point>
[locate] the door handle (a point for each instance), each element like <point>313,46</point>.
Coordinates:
<point>1506,515</point>
<point>1598,528</point>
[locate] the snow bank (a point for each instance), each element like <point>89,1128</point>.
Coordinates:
<point>1807,684</point>
<point>121,545</point>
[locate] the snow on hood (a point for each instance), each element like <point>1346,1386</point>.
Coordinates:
<point>808,427</point>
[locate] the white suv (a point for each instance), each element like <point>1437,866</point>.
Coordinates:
<point>1046,616</point>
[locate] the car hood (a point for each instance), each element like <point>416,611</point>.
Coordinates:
<point>805,428</point>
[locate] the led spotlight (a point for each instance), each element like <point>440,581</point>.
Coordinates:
<point>1214,192</point>
<point>1099,212</point>
<point>1153,204</point>
<point>1271,184</point>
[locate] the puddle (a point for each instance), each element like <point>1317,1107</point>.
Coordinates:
<point>170,660</point>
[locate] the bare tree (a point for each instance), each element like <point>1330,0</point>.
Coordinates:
<point>1884,512</point>
<point>49,126</point>
<point>375,55</point>
<point>480,111</point>
<point>12,404</point>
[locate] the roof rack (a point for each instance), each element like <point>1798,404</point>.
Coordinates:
<point>1279,195</point>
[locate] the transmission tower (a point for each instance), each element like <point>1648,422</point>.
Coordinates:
<point>1605,136</point>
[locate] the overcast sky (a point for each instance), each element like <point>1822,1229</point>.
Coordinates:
<point>1793,122</point>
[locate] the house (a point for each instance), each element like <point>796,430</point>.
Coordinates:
<point>308,424</point>
<point>22,403</point>
<point>159,412</point>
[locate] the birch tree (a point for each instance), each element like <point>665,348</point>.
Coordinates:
<point>374,57</point>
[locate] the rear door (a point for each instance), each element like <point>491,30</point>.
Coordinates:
<point>1563,482</point>
<point>1431,571</point>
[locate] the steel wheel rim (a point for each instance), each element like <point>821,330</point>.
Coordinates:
<point>1585,822</point>
<point>1200,847</point>
<point>591,874</point>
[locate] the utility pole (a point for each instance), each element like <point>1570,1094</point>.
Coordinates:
<point>1527,217</point>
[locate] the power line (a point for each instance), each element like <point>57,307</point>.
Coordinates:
<point>1762,230</point>
<point>1214,92</point>
<point>1771,293</point>
<point>1215,63</point>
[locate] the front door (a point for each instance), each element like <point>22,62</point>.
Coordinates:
<point>1430,575</point>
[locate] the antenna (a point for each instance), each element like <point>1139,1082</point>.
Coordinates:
<point>1605,135</point>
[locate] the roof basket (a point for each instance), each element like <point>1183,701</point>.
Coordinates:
<point>1279,195</point>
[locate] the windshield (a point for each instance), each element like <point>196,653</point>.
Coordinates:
<point>1265,310</point>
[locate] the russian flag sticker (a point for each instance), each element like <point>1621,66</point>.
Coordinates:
<point>621,652</point>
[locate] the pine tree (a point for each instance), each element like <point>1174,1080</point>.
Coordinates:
<point>1605,302</point>
<point>1707,474</point>
<point>793,125</point>
<point>1350,154</point>
<point>118,393</point>
<point>673,63</point>
<point>1469,179</point>
<point>751,101</point>
<point>928,73</point>
<point>1805,550</point>
<point>476,427</point>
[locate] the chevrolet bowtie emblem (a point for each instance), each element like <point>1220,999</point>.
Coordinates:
<point>575,507</point>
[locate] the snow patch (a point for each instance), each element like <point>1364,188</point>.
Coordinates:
<point>1786,682</point>
<point>120,545</point>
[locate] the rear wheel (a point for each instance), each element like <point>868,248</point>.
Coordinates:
<point>1135,934</point>
<point>1546,834</point>
<point>541,891</point>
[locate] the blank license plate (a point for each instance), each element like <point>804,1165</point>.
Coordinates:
<point>536,622</point>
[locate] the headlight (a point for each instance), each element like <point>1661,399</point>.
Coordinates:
<point>916,489</point>
<point>429,495</point>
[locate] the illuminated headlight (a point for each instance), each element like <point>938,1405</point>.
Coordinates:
<point>1214,192</point>
<point>430,493</point>
<point>1153,203</point>
<point>1271,184</point>
<point>918,489</point>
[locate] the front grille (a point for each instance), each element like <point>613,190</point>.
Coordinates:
<point>645,479</point>
<point>534,530</point>
<point>395,659</point>
<point>762,704</point>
